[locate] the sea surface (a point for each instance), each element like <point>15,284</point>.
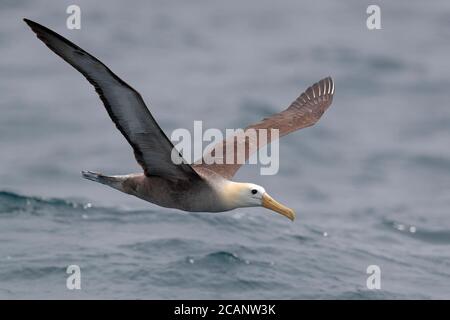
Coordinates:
<point>370,182</point>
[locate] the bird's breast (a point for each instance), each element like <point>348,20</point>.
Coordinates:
<point>183,195</point>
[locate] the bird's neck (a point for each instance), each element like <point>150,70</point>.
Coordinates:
<point>230,194</point>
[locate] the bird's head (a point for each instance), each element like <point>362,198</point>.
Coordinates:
<point>238,195</point>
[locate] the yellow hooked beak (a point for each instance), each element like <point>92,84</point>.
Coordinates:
<point>270,203</point>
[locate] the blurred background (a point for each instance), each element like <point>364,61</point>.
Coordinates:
<point>370,182</point>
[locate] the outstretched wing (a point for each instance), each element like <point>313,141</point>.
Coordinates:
<point>305,111</point>
<point>125,106</point>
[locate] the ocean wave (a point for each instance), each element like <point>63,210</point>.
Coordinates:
<point>12,203</point>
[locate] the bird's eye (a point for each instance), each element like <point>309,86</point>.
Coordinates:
<point>254,191</point>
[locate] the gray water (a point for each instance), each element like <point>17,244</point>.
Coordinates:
<point>370,182</point>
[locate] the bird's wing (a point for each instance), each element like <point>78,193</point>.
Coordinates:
<point>125,106</point>
<point>305,111</point>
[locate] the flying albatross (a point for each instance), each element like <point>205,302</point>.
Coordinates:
<point>197,187</point>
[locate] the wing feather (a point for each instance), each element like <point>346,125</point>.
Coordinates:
<point>305,111</point>
<point>124,105</point>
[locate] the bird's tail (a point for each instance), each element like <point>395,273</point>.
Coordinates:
<point>112,181</point>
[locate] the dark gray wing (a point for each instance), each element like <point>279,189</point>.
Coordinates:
<point>125,106</point>
<point>305,111</point>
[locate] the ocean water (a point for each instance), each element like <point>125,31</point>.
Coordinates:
<point>370,182</point>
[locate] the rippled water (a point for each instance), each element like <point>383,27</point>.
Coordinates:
<point>370,182</point>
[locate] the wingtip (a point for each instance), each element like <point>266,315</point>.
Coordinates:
<point>33,25</point>
<point>332,84</point>
<point>36,27</point>
<point>330,78</point>
<point>29,22</point>
<point>328,84</point>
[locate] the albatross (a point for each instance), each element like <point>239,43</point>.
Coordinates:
<point>197,187</point>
